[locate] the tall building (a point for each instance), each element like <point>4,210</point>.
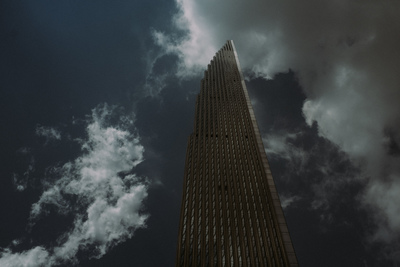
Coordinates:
<point>231,214</point>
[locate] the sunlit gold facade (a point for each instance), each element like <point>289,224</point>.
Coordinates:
<point>231,214</point>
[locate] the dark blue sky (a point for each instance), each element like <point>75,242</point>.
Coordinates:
<point>97,101</point>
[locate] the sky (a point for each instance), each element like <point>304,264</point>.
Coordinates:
<point>97,102</point>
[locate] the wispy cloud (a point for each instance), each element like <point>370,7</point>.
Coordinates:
<point>108,197</point>
<point>49,133</point>
<point>286,201</point>
<point>21,179</point>
<point>279,145</point>
<point>322,167</point>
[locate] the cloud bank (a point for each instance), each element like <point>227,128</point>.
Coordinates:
<point>345,54</point>
<point>98,189</point>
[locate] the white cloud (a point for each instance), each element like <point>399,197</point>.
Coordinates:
<point>37,256</point>
<point>286,201</point>
<point>278,145</point>
<point>345,54</point>
<point>109,196</point>
<point>194,50</point>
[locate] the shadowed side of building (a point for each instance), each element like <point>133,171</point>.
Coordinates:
<point>231,213</point>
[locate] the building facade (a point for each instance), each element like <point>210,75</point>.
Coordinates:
<point>231,214</point>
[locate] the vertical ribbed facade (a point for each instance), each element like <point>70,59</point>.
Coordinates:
<point>231,214</point>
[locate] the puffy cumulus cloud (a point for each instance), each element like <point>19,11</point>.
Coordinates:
<point>37,256</point>
<point>105,223</point>
<point>345,54</point>
<point>98,189</point>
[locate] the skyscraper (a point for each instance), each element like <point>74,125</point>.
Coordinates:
<point>231,214</point>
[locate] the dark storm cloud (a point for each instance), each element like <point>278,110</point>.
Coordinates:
<point>345,55</point>
<point>317,183</point>
<point>307,158</point>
